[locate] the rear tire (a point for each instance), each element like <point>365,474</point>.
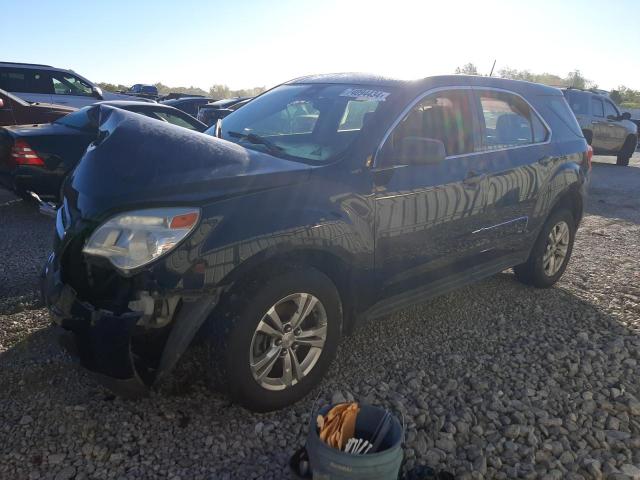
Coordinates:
<point>251,348</point>
<point>542,269</point>
<point>627,150</point>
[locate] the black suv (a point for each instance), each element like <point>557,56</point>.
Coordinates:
<point>327,200</point>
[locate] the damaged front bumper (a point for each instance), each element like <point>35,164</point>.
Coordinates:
<point>104,339</point>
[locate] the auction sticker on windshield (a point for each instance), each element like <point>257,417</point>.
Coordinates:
<point>365,94</point>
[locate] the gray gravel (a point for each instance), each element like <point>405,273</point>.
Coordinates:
<point>497,380</point>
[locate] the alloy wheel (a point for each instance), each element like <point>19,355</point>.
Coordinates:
<point>556,250</point>
<point>288,341</point>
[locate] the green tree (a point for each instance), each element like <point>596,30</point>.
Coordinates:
<point>468,69</point>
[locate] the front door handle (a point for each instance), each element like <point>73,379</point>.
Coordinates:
<point>474,178</point>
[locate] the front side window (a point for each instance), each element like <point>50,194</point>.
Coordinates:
<point>610,109</point>
<point>66,84</point>
<point>597,107</point>
<point>444,116</point>
<point>313,123</point>
<point>508,121</point>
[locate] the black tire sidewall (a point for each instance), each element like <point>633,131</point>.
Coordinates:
<point>230,345</point>
<point>537,275</point>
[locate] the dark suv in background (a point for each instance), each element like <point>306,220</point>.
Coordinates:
<point>607,130</point>
<point>327,200</point>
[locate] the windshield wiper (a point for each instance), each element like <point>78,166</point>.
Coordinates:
<point>257,139</point>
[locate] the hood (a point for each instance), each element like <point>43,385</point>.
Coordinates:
<point>138,162</point>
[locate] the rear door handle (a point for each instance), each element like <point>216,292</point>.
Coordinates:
<point>474,178</point>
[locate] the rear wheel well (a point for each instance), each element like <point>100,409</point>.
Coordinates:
<point>572,201</point>
<point>331,265</point>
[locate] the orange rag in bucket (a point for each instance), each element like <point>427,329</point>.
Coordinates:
<point>339,425</point>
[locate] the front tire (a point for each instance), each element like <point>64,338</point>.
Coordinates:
<point>273,339</point>
<point>551,253</point>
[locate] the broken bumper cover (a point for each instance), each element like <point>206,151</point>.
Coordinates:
<point>103,340</point>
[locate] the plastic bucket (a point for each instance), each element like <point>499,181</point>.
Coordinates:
<point>328,463</point>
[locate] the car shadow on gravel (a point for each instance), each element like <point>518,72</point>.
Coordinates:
<point>461,369</point>
<point>613,191</point>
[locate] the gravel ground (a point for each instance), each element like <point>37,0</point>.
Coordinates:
<point>496,380</point>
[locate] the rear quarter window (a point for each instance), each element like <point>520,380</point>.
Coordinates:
<point>561,117</point>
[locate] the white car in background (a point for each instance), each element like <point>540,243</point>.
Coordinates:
<point>46,84</point>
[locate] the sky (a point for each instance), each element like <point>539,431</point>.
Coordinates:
<point>248,43</point>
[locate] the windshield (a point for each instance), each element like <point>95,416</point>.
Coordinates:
<point>313,123</point>
<point>78,119</point>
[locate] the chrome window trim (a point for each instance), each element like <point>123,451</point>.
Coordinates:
<point>473,88</point>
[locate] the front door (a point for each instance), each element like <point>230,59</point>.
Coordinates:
<point>425,214</point>
<point>617,131</point>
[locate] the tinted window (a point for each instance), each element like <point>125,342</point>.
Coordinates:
<point>67,84</point>
<point>25,81</point>
<point>445,116</point>
<point>579,102</point>
<point>559,107</point>
<point>597,107</point>
<point>175,120</point>
<point>609,109</point>
<point>509,121</point>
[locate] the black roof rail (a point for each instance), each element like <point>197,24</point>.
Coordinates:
<point>25,63</point>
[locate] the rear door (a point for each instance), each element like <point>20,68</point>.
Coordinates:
<point>514,154</point>
<point>601,132</point>
<point>425,215</point>
<point>617,131</point>
<point>30,84</point>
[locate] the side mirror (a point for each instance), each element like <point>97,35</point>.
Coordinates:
<point>97,92</point>
<point>625,116</point>
<point>614,118</point>
<point>415,151</point>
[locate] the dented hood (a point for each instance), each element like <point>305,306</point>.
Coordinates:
<point>138,161</point>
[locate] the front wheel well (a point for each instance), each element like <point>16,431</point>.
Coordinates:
<point>334,267</point>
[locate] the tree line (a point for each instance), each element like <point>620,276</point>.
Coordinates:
<point>623,96</point>
<point>217,91</point>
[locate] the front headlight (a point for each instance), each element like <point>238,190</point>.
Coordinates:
<point>133,239</point>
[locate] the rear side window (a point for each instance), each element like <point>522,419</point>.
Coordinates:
<point>446,116</point>
<point>578,102</point>
<point>508,121</point>
<point>597,107</point>
<point>25,81</point>
<point>609,109</point>
<point>175,120</point>
<point>561,110</point>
